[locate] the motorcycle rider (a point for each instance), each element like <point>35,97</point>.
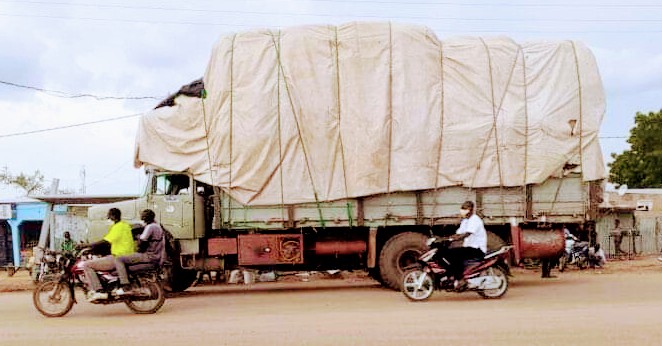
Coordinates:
<point>474,246</point>
<point>151,249</point>
<point>121,243</point>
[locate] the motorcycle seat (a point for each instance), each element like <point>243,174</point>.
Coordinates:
<point>135,268</point>
<point>141,267</point>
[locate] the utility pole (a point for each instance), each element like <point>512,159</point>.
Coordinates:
<point>82,180</point>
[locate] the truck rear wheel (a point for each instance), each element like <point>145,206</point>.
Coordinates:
<point>494,243</point>
<point>399,252</point>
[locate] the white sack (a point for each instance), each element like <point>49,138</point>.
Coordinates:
<point>321,113</point>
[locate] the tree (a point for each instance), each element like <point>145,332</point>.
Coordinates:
<point>30,183</point>
<point>641,165</point>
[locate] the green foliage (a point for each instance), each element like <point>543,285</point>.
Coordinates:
<point>30,183</point>
<point>641,166</point>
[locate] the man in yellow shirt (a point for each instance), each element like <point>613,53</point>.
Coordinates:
<point>121,244</point>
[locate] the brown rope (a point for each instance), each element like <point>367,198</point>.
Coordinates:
<point>301,141</point>
<point>441,134</point>
<point>390,114</point>
<point>526,123</point>
<point>581,120</point>
<point>234,37</point>
<point>340,140</point>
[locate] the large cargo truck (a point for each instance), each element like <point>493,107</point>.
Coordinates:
<point>344,147</point>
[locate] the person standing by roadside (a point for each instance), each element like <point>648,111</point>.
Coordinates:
<point>68,246</point>
<point>617,234</point>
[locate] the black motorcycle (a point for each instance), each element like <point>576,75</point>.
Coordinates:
<point>577,256</point>
<point>488,276</point>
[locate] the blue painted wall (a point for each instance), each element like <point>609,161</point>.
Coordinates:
<point>28,211</point>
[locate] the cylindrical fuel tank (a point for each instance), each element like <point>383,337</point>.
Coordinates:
<point>340,247</point>
<point>541,243</point>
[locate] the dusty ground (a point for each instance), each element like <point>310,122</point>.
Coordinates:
<point>619,305</point>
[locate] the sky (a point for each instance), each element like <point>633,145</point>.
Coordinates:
<point>76,75</point>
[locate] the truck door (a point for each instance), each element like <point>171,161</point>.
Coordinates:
<point>172,201</point>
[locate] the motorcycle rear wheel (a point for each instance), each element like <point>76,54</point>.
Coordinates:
<point>151,305</point>
<point>410,287</point>
<point>495,293</point>
<point>53,298</point>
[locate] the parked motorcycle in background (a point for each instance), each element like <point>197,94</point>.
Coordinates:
<point>55,297</point>
<point>51,264</point>
<point>487,277</point>
<point>578,256</point>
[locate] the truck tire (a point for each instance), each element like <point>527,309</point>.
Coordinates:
<point>176,278</point>
<point>399,252</point>
<point>494,243</point>
<point>376,275</point>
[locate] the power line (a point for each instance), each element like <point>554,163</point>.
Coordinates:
<point>63,94</point>
<point>109,173</point>
<point>648,31</point>
<point>355,16</point>
<point>69,126</point>
<point>179,9</point>
<point>426,3</point>
<point>487,4</point>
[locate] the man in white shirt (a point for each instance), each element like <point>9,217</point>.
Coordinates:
<point>474,246</point>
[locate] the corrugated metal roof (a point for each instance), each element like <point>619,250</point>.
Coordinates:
<point>19,200</point>
<point>85,199</point>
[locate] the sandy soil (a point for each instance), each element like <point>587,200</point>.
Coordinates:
<point>619,305</point>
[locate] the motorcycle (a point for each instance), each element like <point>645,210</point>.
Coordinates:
<point>578,256</point>
<point>55,297</point>
<point>488,276</point>
<point>51,265</point>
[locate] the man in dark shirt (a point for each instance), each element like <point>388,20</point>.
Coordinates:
<point>151,250</point>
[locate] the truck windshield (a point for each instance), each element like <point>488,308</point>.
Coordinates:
<point>171,184</point>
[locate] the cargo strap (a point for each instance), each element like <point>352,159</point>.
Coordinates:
<point>298,126</point>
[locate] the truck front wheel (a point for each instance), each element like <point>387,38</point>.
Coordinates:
<point>399,252</point>
<point>177,279</point>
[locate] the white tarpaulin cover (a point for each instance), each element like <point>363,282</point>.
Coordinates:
<point>320,113</point>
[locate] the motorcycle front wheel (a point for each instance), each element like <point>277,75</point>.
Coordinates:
<point>417,285</point>
<point>53,298</point>
<point>498,292</point>
<point>149,298</point>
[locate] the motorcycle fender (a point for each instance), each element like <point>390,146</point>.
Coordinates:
<point>484,283</point>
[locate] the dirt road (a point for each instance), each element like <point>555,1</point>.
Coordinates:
<point>610,307</point>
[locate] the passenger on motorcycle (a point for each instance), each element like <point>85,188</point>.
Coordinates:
<point>474,246</point>
<point>151,250</point>
<point>121,243</point>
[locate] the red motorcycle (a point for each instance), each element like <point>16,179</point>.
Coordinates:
<point>56,297</point>
<point>488,276</point>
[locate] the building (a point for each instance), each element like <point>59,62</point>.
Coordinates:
<point>21,219</point>
<point>26,223</point>
<point>639,211</point>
